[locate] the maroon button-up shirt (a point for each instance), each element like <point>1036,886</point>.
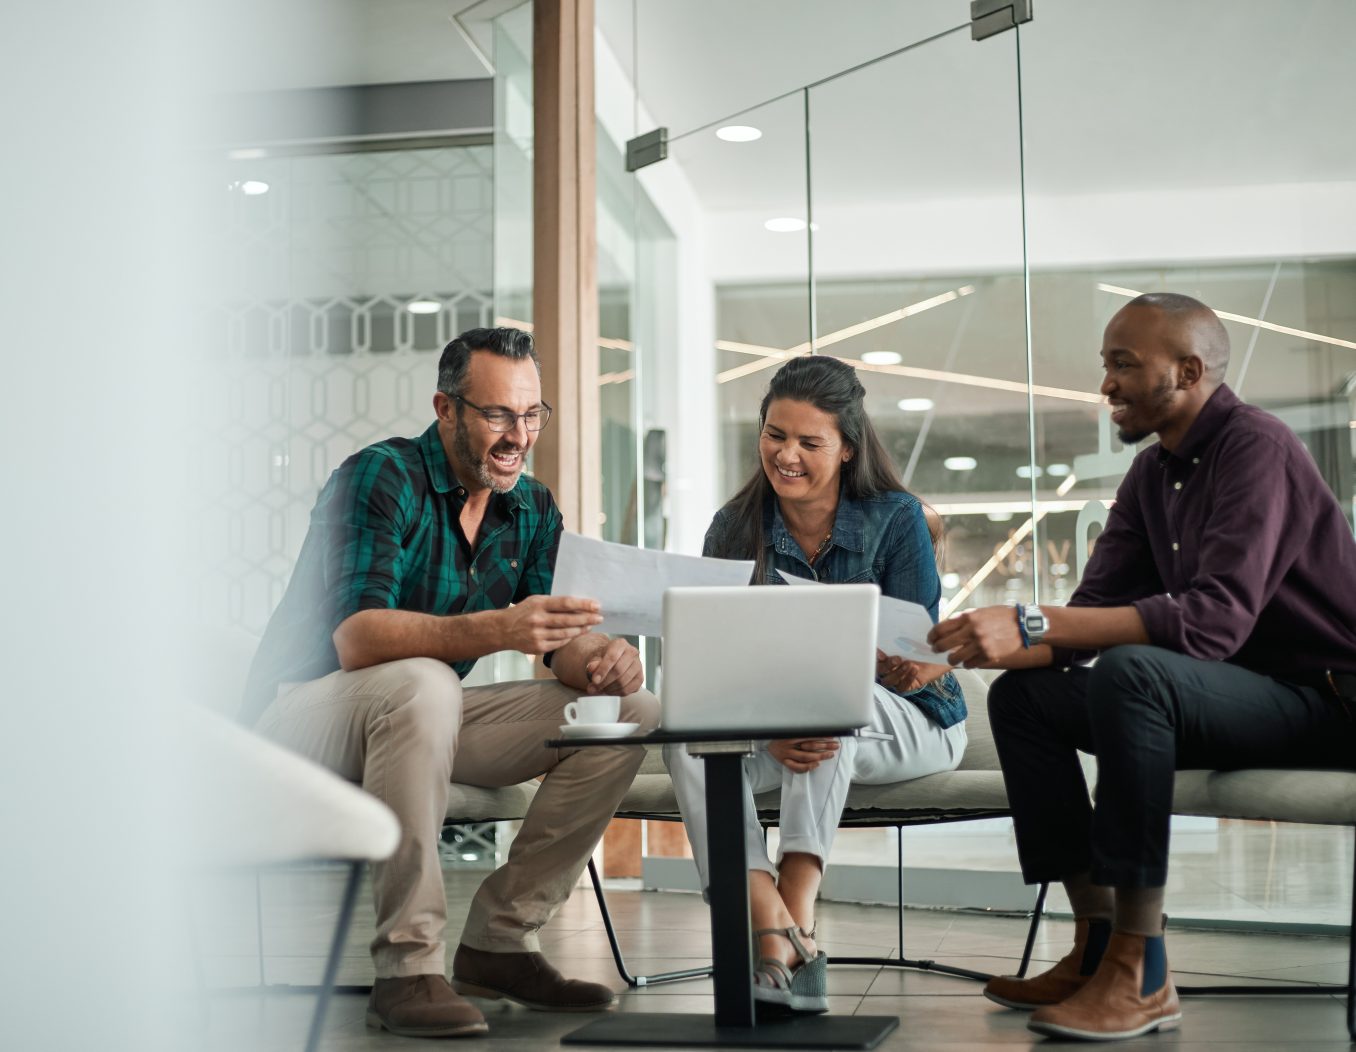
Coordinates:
<point>1232,548</point>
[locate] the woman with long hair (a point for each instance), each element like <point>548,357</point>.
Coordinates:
<point>827,504</point>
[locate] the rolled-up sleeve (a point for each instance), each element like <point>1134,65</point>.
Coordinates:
<point>362,514</point>
<point>1249,541</point>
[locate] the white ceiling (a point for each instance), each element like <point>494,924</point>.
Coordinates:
<point>1145,95</point>
<point>1142,94</point>
<point>333,43</point>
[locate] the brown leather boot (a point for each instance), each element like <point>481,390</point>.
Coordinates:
<point>422,1006</point>
<point>527,978</point>
<point>1131,994</point>
<point>1066,978</point>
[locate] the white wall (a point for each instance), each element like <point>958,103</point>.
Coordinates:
<point>96,396</point>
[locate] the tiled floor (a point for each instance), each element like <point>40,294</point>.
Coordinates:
<point>669,930</point>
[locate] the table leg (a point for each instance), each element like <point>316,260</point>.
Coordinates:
<point>731,945</point>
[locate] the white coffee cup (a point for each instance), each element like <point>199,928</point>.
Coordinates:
<point>601,708</point>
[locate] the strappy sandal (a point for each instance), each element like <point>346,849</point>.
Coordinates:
<point>804,988</point>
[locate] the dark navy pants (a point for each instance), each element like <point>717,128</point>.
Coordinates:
<point>1144,712</point>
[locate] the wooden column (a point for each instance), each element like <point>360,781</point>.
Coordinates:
<point>565,291</point>
<point>565,257</point>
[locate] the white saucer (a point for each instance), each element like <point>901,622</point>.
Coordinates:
<point>597,730</point>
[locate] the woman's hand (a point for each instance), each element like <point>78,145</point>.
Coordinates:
<point>904,677</point>
<point>802,754</point>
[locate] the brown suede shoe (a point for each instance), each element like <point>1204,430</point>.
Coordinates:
<point>1131,994</point>
<point>527,978</point>
<point>422,1006</point>
<point>1066,978</point>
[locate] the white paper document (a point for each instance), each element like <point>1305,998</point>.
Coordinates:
<point>901,627</point>
<point>629,582</point>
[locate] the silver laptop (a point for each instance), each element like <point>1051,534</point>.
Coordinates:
<point>769,658</point>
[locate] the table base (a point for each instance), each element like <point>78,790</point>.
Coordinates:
<point>681,1030</point>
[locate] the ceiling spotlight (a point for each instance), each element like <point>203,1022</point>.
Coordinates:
<point>882,358</point>
<point>424,307</point>
<point>960,463</point>
<point>950,580</point>
<point>1025,471</point>
<point>915,405</point>
<point>253,187</point>
<point>785,225</point>
<point>998,516</point>
<point>1058,470</point>
<point>738,133</point>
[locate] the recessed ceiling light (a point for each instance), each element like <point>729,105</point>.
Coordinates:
<point>1025,471</point>
<point>1058,470</point>
<point>738,133</point>
<point>915,405</point>
<point>251,154</point>
<point>424,307</point>
<point>998,516</point>
<point>960,463</point>
<point>882,358</point>
<point>950,580</point>
<point>253,187</point>
<point>785,225</point>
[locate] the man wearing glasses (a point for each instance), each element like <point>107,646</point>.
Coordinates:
<point>422,556</point>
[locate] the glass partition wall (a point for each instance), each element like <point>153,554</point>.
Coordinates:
<point>958,220</point>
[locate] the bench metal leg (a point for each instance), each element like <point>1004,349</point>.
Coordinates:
<point>1351,956</point>
<point>355,874</point>
<point>1037,911</point>
<point>635,981</point>
<point>925,965</point>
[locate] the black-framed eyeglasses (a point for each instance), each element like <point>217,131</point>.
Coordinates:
<point>501,419</point>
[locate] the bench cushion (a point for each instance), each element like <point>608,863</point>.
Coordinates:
<point>1320,797</point>
<point>471,803</point>
<point>970,793</point>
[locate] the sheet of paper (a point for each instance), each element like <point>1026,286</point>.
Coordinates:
<point>901,627</point>
<point>630,582</point>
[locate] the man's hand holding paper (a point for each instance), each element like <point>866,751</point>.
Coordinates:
<point>629,583</point>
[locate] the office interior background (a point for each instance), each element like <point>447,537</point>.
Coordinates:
<point>342,187</point>
<point>956,218</point>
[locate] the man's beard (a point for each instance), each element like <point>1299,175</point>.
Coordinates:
<point>461,445</point>
<point>1156,404</point>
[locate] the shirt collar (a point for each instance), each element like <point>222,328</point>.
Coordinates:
<point>440,471</point>
<point>1204,429</point>
<point>445,480</point>
<point>849,523</point>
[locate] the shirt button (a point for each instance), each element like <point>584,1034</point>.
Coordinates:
<point>1174,548</point>
<point>1195,460</point>
<point>473,569</point>
<point>1176,485</point>
<point>460,492</point>
<point>513,563</point>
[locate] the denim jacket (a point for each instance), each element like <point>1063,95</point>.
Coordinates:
<point>881,540</point>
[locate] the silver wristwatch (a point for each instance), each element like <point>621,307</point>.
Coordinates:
<point>1037,624</point>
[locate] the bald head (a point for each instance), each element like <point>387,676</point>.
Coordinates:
<point>1189,327</point>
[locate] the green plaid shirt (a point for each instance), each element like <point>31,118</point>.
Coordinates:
<point>386,534</point>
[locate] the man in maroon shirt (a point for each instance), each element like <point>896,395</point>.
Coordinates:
<point>1220,602</point>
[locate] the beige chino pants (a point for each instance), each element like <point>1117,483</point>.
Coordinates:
<point>406,730</point>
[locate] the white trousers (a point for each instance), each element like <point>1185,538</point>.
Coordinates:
<point>813,802</point>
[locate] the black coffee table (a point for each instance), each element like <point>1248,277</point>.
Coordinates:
<point>734,1024</point>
